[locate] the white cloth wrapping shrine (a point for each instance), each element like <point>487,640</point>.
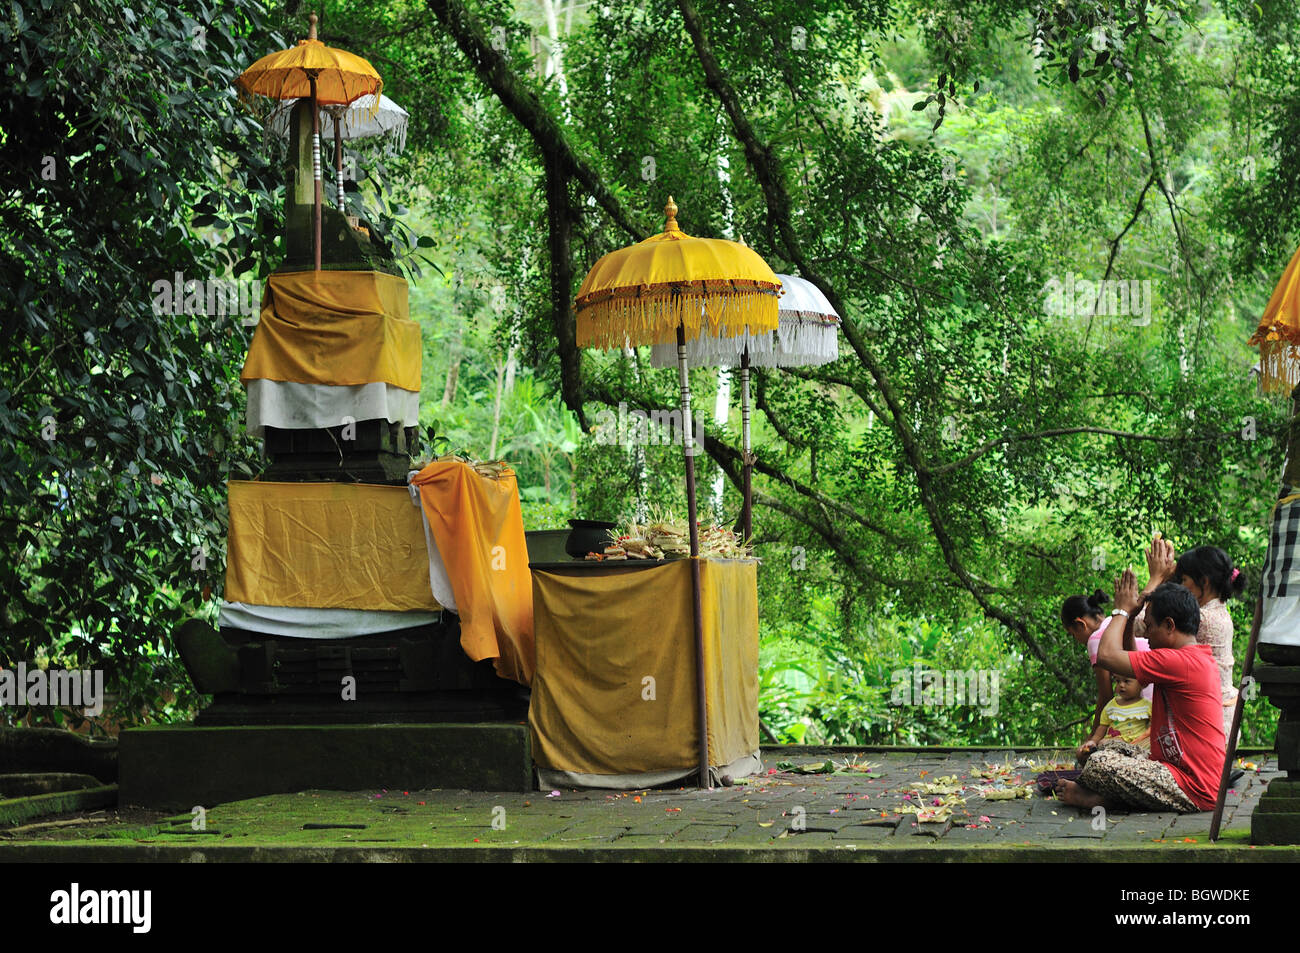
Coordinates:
<point>292,405</point>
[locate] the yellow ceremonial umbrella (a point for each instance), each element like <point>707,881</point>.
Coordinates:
<point>1278,334</point>
<point>326,76</point>
<point>675,287</point>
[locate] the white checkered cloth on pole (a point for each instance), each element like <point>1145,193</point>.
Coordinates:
<point>1281,582</point>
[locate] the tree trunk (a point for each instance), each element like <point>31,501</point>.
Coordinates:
<point>453,368</point>
<point>561,279</point>
<point>504,370</point>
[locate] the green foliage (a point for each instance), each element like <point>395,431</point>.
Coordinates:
<point>127,163</point>
<point>929,500</point>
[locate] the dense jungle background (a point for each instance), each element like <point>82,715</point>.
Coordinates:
<point>976,454</point>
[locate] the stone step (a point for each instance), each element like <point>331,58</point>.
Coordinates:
<point>176,767</point>
<point>20,809</point>
<point>24,750</point>
<point>26,784</point>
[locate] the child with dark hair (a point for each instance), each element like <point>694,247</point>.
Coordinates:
<point>1083,615</point>
<point>1208,574</point>
<point>1126,717</point>
<point>1085,620</point>
<point>1187,740</point>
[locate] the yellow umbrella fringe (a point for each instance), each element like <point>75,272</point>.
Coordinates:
<point>668,289</point>
<point>1279,365</point>
<point>248,96</point>
<point>1275,332</point>
<point>617,321</point>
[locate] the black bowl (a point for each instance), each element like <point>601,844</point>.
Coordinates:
<point>587,536</point>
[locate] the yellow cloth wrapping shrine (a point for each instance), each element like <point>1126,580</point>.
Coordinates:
<point>600,636</point>
<point>478,527</point>
<point>335,327</point>
<point>326,546</point>
<point>363,546</point>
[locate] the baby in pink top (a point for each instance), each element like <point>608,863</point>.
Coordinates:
<point>1140,644</point>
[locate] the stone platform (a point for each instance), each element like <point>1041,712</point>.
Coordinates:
<point>860,810</point>
<point>177,767</point>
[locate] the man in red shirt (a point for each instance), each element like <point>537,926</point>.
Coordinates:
<point>1187,741</point>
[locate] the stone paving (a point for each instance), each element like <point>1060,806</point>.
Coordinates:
<point>868,801</point>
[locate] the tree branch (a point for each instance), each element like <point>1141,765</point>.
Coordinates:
<point>1137,211</point>
<point>561,163</point>
<point>497,74</point>
<point>760,402</point>
<point>767,172</point>
<point>1043,434</point>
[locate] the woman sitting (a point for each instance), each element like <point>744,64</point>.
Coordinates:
<point>1208,574</point>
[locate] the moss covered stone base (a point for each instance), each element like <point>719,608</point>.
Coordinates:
<point>178,767</point>
<point>1277,816</point>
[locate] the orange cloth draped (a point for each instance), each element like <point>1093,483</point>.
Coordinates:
<point>336,327</point>
<point>478,526</point>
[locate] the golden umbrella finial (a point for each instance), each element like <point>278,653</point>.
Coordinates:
<point>311,31</point>
<point>670,213</point>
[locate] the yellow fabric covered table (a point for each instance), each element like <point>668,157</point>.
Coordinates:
<point>600,633</point>
<point>326,546</point>
<point>342,328</point>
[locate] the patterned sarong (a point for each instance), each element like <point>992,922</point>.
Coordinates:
<point>1122,772</point>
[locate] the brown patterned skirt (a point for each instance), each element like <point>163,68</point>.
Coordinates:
<point>1122,772</point>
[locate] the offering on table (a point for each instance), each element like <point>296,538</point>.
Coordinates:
<point>664,537</point>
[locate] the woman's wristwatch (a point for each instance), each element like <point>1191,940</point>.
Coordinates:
<point>1120,612</point>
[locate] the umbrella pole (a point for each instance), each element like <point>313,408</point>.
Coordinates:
<point>338,163</point>
<point>747,510</point>
<point>315,168</point>
<point>688,448</point>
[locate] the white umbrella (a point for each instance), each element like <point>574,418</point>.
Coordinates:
<point>361,119</point>
<point>806,335</point>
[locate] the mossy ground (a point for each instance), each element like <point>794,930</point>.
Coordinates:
<point>865,802</point>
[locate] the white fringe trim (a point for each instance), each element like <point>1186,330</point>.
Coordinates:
<point>795,343</point>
